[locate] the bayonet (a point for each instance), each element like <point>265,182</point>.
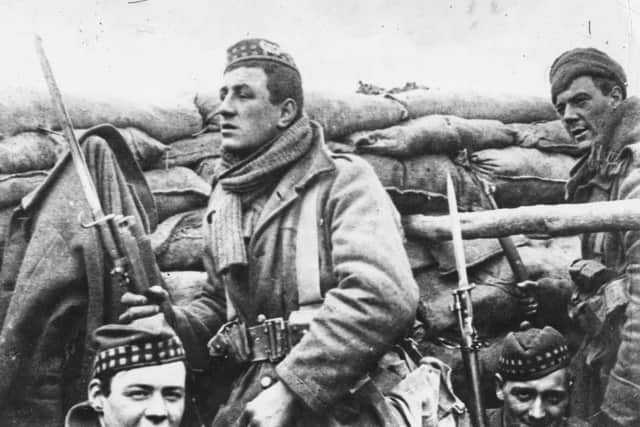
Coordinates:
<point>463,307</point>
<point>117,232</point>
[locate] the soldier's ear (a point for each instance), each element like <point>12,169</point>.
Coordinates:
<point>288,113</point>
<point>616,96</point>
<point>96,395</point>
<point>499,386</point>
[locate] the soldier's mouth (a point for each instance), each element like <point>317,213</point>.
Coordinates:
<point>579,133</point>
<point>226,129</point>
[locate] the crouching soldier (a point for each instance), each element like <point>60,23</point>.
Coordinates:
<point>309,283</point>
<point>533,381</point>
<point>138,377</point>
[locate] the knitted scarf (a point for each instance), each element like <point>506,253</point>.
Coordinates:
<point>240,183</point>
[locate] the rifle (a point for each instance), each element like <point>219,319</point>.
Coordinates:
<point>463,307</point>
<point>121,239</point>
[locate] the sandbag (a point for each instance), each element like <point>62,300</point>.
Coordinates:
<point>146,150</point>
<point>418,184</point>
<point>15,186</point>
<point>524,176</point>
<point>178,242</point>
<point>25,110</point>
<point>29,151</point>
<point>177,190</point>
<point>189,151</point>
<point>548,136</point>
<point>184,286</point>
<point>504,108</point>
<point>339,114</point>
<point>434,134</point>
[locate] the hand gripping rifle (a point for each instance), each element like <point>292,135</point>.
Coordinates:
<point>120,238</point>
<point>463,307</point>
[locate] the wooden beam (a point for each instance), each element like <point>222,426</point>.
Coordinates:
<point>565,219</point>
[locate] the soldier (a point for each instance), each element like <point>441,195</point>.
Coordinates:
<point>309,281</point>
<point>588,89</point>
<point>533,381</point>
<point>138,377</point>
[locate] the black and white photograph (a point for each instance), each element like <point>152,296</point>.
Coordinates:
<point>281,213</point>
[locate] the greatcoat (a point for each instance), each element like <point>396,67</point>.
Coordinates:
<point>369,294</point>
<point>608,362</point>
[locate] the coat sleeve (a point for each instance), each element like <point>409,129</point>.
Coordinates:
<point>622,396</point>
<point>374,301</point>
<point>197,322</point>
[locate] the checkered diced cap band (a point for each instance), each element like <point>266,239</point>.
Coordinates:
<point>131,356</point>
<point>144,342</point>
<point>258,49</point>
<point>532,354</point>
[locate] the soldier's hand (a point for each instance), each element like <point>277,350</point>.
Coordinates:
<point>273,407</point>
<point>139,306</point>
<point>528,302</point>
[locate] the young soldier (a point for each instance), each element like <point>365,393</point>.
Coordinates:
<point>588,89</point>
<point>533,381</point>
<point>293,233</point>
<point>138,377</point>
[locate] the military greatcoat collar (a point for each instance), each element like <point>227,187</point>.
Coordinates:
<point>316,162</point>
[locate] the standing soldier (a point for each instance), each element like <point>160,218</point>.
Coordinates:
<point>588,89</point>
<point>309,281</point>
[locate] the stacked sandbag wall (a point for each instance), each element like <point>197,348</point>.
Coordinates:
<point>412,140</point>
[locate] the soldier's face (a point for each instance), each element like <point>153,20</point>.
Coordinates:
<point>147,396</point>
<point>584,110</point>
<point>246,116</point>
<point>541,402</point>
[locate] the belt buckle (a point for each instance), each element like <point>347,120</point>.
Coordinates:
<point>276,331</point>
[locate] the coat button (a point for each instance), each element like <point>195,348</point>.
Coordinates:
<point>266,382</point>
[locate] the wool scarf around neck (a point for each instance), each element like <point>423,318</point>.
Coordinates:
<point>241,183</point>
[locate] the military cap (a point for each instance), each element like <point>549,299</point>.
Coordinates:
<point>533,353</point>
<point>258,49</point>
<point>582,62</point>
<point>144,342</point>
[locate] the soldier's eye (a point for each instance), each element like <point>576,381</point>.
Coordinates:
<point>173,395</point>
<point>137,393</point>
<point>523,395</point>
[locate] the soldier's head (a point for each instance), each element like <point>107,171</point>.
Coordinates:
<point>587,85</point>
<point>260,97</point>
<point>139,375</point>
<point>533,381</point>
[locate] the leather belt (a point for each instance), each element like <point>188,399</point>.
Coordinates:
<point>273,339</point>
<point>270,340</point>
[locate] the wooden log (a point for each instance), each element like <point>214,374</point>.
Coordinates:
<point>557,220</point>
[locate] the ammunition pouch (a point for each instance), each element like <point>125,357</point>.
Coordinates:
<point>600,315</point>
<point>270,340</point>
<point>588,275</point>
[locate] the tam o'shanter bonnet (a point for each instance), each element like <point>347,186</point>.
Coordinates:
<point>258,49</point>
<point>144,342</point>
<point>532,354</point>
